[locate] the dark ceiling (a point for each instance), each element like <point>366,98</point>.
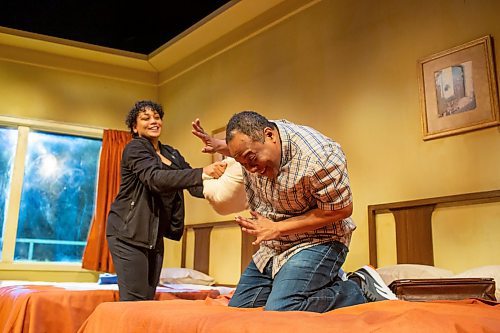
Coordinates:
<point>141,27</point>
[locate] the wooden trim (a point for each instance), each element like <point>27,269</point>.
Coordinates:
<point>444,201</point>
<point>247,250</point>
<point>211,224</point>
<point>183,250</point>
<point>414,240</point>
<point>202,249</point>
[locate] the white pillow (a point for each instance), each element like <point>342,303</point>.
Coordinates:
<point>185,276</point>
<point>226,194</point>
<point>412,271</point>
<point>492,271</point>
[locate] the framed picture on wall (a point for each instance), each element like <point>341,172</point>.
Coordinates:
<point>458,90</point>
<point>219,134</point>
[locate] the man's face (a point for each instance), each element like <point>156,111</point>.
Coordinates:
<point>257,157</point>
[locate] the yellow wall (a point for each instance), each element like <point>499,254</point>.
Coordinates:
<point>36,92</point>
<point>56,90</point>
<point>349,69</point>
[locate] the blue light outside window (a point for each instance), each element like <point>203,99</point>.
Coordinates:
<point>57,198</point>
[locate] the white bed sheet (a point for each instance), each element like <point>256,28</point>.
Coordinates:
<point>172,288</point>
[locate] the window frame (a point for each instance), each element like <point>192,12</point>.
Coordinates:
<point>24,126</point>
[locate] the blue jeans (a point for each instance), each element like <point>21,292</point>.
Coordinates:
<point>308,281</point>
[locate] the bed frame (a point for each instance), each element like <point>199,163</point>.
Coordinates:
<point>413,224</point>
<point>413,220</point>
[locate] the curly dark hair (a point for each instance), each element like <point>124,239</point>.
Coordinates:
<point>141,106</point>
<point>249,123</point>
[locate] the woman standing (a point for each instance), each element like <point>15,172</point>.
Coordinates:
<point>150,202</point>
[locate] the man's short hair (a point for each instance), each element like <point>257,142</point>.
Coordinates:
<point>249,123</point>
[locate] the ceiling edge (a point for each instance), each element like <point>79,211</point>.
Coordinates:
<point>177,59</point>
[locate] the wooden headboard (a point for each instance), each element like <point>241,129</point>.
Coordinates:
<point>202,233</point>
<point>413,224</point>
<point>413,221</point>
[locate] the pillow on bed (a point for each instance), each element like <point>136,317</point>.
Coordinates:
<point>492,271</point>
<point>412,271</point>
<point>185,276</point>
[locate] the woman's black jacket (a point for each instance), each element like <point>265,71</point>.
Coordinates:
<point>151,198</point>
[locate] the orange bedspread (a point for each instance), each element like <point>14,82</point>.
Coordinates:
<point>31,309</point>
<point>210,316</point>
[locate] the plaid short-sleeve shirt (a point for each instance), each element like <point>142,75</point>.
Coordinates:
<point>313,174</point>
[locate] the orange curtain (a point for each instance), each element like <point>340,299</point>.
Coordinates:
<point>96,255</point>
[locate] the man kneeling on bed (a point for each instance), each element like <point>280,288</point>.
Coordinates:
<point>300,200</point>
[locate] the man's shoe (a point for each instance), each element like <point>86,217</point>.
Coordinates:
<point>371,284</point>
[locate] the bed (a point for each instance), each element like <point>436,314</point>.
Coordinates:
<point>63,307</point>
<point>213,315</point>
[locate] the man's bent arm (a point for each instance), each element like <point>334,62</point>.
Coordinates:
<point>312,220</point>
<point>265,229</point>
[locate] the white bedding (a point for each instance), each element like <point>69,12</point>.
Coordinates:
<point>172,288</point>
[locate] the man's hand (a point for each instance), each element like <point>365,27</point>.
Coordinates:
<point>212,145</point>
<point>204,137</point>
<point>258,226</point>
<point>215,170</point>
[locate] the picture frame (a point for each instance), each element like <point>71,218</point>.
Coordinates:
<point>458,90</point>
<point>219,133</point>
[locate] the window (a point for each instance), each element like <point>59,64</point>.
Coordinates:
<point>50,191</point>
<point>57,200</point>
